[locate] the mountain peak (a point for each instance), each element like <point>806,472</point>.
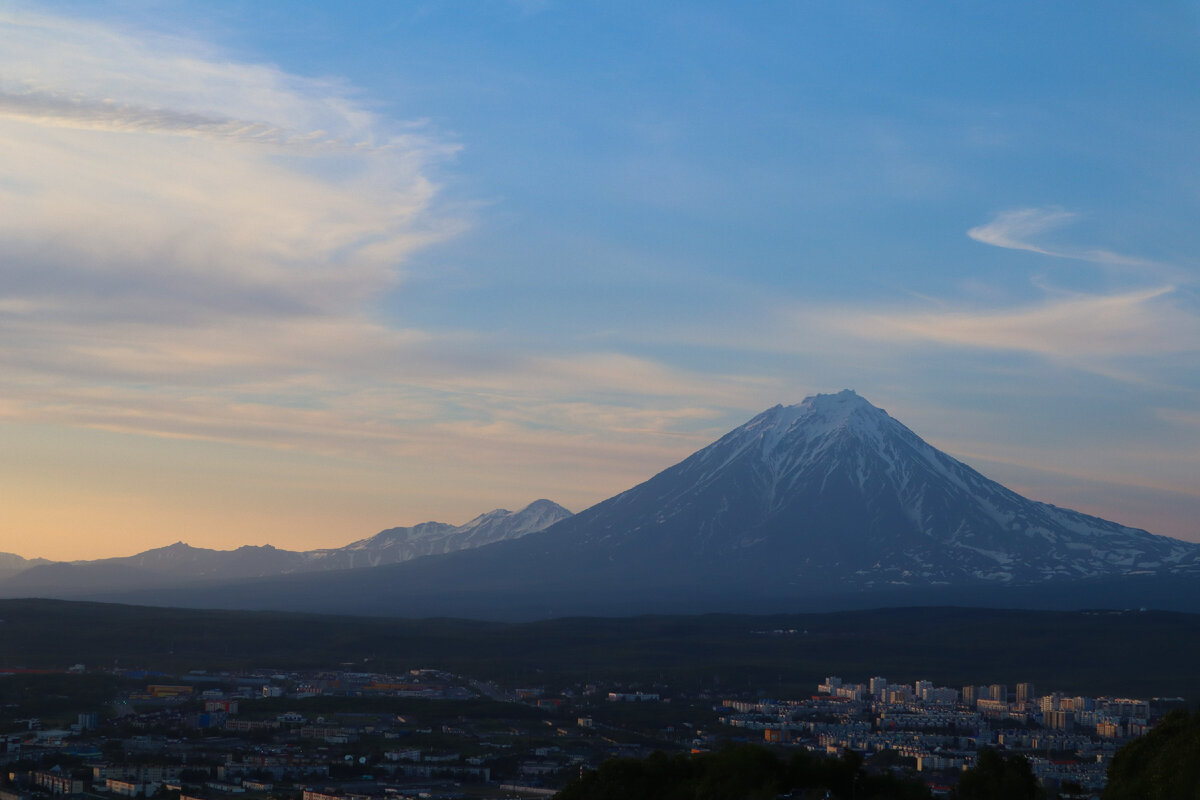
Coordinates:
<point>831,408</point>
<point>838,408</point>
<point>842,410</point>
<point>817,418</point>
<point>845,400</point>
<point>176,548</point>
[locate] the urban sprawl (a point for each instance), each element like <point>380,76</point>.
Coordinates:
<point>428,733</point>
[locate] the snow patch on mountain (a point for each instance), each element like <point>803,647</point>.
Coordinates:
<point>396,545</point>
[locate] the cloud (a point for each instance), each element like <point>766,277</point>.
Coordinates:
<point>1139,323</point>
<point>1188,418</point>
<point>1122,333</point>
<point>152,174</point>
<point>59,112</point>
<point>66,63</point>
<point>1012,229</point>
<point>178,221</point>
<point>1020,228</point>
<point>182,231</point>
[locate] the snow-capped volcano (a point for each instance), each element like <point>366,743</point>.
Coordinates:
<point>836,482</point>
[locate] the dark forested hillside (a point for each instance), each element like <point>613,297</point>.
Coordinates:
<point>1138,653</point>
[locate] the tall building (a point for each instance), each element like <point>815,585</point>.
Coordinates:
<point>878,687</point>
<point>1025,693</point>
<point>998,692</point>
<point>941,696</point>
<point>1060,720</point>
<point>969,695</point>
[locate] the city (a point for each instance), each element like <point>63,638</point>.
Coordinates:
<point>349,735</point>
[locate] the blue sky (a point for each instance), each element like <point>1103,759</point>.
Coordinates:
<point>292,273</point>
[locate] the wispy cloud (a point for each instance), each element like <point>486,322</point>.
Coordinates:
<point>49,110</point>
<point>1020,229</point>
<point>1189,418</point>
<point>1144,322</point>
<point>161,179</point>
<point>1013,229</point>
<point>1124,333</point>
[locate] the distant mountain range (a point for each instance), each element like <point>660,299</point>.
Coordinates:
<point>11,564</point>
<point>827,504</point>
<point>183,564</point>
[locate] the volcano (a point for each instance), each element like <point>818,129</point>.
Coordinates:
<point>828,501</point>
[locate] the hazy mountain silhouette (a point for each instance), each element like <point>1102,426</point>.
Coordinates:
<point>182,564</point>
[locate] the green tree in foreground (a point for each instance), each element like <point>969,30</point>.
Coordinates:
<point>999,777</point>
<point>746,772</point>
<point>1162,765</point>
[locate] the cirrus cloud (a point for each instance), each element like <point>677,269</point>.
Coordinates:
<point>1143,322</point>
<point>1020,229</point>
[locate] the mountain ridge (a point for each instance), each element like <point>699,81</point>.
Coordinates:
<point>164,566</point>
<point>12,564</point>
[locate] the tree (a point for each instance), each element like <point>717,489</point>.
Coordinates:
<point>999,777</point>
<point>1162,765</point>
<point>745,772</point>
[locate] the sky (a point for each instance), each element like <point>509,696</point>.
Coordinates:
<point>293,273</point>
